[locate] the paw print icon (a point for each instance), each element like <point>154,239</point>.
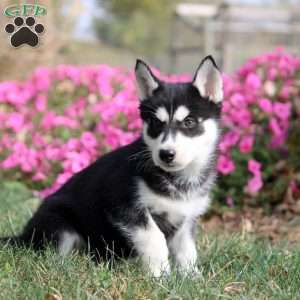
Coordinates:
<point>24,31</point>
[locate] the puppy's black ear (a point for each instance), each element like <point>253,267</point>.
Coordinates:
<point>147,83</point>
<point>208,80</point>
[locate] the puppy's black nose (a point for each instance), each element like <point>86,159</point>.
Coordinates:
<point>167,156</point>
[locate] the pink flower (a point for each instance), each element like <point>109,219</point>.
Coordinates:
<point>26,166</point>
<point>42,79</point>
<point>48,120</point>
<point>225,165</point>
<point>41,103</point>
<point>253,82</point>
<point>53,153</point>
<point>265,105</point>
<point>254,184</point>
<point>254,167</point>
<point>275,127</point>
<point>88,140</point>
<point>39,176</point>
<point>65,122</point>
<point>272,73</point>
<point>237,100</point>
<point>282,110</point>
<point>105,88</point>
<point>72,144</point>
<point>246,144</point>
<point>277,140</point>
<point>126,138</point>
<point>15,121</point>
<point>76,161</point>
<point>63,177</point>
<point>10,162</point>
<point>231,138</point>
<point>285,92</point>
<point>242,117</point>
<point>230,202</point>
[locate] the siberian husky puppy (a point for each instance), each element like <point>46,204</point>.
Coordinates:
<point>143,199</point>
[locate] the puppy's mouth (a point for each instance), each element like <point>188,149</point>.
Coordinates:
<point>169,167</point>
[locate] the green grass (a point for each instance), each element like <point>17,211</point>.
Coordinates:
<point>232,267</point>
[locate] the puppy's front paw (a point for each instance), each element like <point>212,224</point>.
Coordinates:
<point>192,271</point>
<point>195,272</point>
<point>159,271</point>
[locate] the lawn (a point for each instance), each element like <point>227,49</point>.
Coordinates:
<point>232,267</point>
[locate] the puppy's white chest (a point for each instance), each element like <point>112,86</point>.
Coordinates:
<point>189,205</point>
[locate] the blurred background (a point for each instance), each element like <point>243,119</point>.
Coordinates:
<point>67,101</point>
<point>171,34</point>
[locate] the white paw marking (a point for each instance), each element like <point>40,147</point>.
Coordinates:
<point>151,245</point>
<point>69,241</point>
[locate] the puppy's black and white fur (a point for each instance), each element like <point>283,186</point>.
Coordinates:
<point>143,198</point>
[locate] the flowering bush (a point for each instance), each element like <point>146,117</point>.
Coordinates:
<point>60,120</point>
<point>260,149</point>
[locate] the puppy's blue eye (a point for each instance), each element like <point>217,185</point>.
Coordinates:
<point>189,123</point>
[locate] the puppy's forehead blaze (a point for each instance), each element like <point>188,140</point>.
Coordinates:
<point>180,114</point>
<point>162,114</point>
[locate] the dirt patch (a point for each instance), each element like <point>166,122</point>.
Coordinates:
<point>282,224</point>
